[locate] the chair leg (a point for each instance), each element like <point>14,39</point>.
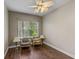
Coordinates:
<point>33,45</point>
<point>42,44</point>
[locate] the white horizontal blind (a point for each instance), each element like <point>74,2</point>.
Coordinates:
<point>20,34</point>
<point>27,28</point>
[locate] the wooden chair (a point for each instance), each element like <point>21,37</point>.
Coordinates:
<point>37,41</point>
<point>25,42</point>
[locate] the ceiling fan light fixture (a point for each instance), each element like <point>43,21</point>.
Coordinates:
<point>42,5</point>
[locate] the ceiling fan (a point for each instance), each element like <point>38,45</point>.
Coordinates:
<point>42,5</point>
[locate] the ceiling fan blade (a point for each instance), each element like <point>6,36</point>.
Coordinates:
<point>38,2</point>
<point>48,3</point>
<point>44,9</point>
<point>32,6</point>
<point>36,10</point>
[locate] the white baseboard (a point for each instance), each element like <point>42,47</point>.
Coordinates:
<point>8,49</point>
<point>59,50</point>
<point>13,46</point>
<point>6,52</point>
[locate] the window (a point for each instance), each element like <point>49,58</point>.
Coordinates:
<point>27,28</point>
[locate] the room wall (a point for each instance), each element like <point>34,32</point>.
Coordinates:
<point>5,29</point>
<point>13,21</point>
<point>59,27</point>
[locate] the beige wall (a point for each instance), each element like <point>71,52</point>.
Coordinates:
<point>5,29</point>
<point>14,17</point>
<point>59,27</point>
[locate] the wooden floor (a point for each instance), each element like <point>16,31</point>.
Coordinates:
<point>36,52</point>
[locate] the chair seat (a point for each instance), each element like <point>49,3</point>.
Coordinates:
<point>26,43</point>
<point>37,41</point>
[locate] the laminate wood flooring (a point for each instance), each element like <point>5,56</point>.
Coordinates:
<point>36,52</point>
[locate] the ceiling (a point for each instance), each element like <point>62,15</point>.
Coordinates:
<point>22,6</point>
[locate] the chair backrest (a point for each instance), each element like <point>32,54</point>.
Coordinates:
<point>25,40</point>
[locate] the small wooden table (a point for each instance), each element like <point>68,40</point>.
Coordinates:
<point>17,40</point>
